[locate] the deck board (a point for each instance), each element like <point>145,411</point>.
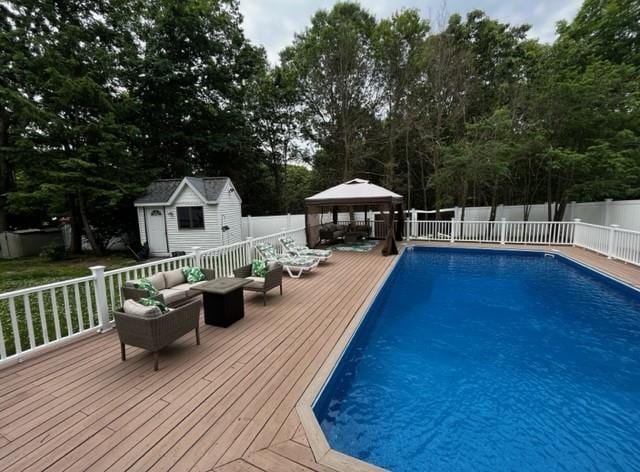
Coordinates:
<point>226,405</point>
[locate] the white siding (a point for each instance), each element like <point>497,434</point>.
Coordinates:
<point>229,214</point>
<point>141,226</point>
<point>185,239</point>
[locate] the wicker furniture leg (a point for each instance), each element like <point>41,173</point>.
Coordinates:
<point>156,355</point>
<point>198,335</point>
<point>122,352</point>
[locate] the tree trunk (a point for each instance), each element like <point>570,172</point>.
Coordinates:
<point>87,227</point>
<point>6,172</point>
<point>406,157</point>
<point>75,243</point>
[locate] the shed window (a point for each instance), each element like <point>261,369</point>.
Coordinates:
<point>190,218</point>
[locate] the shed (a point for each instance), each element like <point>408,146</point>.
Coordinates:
<point>27,242</point>
<point>178,214</point>
<point>352,196</point>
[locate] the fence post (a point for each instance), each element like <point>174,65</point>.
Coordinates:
<point>575,230</point>
<point>249,250</point>
<point>611,250</point>
<point>607,212</point>
<point>503,230</point>
<point>250,226</point>
<point>102,305</point>
<point>288,221</point>
<point>197,250</point>
<point>453,229</point>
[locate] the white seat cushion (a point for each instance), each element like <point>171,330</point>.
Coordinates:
<point>260,280</point>
<point>170,295</point>
<point>183,287</point>
<point>173,278</point>
<point>135,308</point>
<point>157,280</point>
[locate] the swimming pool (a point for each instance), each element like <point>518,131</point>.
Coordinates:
<point>490,360</point>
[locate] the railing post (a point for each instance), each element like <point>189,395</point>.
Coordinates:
<point>250,226</point>
<point>249,250</point>
<point>288,221</point>
<point>503,230</point>
<point>414,219</point>
<point>576,222</point>
<point>102,305</point>
<point>611,250</point>
<point>453,229</point>
<point>197,255</point>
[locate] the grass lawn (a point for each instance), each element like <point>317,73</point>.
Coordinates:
<point>26,272</point>
<point>72,304</point>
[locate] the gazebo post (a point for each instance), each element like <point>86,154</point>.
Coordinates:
<point>335,215</point>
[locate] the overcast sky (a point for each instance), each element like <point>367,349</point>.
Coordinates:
<point>272,23</point>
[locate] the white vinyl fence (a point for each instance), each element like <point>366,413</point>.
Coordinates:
<point>37,318</point>
<point>625,213</point>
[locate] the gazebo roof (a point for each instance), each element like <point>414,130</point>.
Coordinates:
<point>354,192</point>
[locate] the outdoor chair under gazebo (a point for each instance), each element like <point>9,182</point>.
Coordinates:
<point>352,197</point>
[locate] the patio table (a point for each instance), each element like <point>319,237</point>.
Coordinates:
<point>223,300</point>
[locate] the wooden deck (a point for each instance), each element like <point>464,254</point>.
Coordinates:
<point>226,405</point>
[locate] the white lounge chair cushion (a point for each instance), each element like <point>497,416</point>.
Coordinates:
<point>259,280</point>
<point>134,308</point>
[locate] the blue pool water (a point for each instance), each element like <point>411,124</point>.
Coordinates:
<point>490,360</point>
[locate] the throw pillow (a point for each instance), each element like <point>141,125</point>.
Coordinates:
<point>193,274</point>
<point>146,284</point>
<point>135,308</point>
<point>154,302</point>
<point>258,268</point>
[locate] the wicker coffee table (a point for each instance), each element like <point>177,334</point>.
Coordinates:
<point>223,300</point>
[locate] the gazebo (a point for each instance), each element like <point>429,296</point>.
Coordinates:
<point>357,195</point>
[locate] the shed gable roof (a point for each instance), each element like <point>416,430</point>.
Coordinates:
<point>164,191</point>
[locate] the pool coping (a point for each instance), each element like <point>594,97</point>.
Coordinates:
<point>322,451</point>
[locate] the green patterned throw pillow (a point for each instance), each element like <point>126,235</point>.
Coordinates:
<point>146,284</point>
<point>154,302</point>
<point>258,268</point>
<point>193,274</point>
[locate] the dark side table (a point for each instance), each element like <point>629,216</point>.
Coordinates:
<point>223,300</point>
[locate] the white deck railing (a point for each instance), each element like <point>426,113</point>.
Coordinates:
<point>611,241</point>
<point>38,318</point>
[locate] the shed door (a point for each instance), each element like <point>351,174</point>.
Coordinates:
<point>156,231</point>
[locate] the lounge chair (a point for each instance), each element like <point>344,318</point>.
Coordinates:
<point>290,247</point>
<point>295,266</point>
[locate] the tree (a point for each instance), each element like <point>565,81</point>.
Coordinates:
<point>400,52</point>
<point>333,60</point>
<point>276,123</point>
<point>78,128</point>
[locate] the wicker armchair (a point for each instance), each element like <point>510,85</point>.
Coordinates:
<point>272,279</point>
<point>155,332</point>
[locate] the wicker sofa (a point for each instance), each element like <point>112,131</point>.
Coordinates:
<point>331,232</point>
<point>157,331</point>
<point>172,287</point>
<point>271,280</point>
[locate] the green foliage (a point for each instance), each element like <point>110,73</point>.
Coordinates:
<point>99,98</point>
<point>54,252</point>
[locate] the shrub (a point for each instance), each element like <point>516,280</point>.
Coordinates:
<point>54,252</point>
